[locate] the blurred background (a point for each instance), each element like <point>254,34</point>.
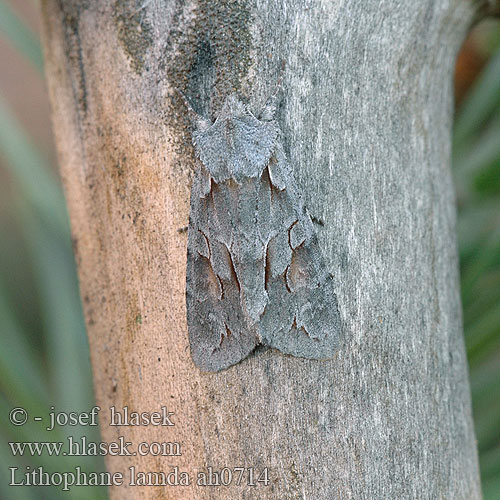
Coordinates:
<point>44,358</point>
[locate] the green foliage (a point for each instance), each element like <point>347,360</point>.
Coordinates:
<point>20,35</point>
<point>44,354</point>
<point>477,177</point>
<point>44,358</point>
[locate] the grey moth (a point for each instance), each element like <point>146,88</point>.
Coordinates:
<point>255,273</point>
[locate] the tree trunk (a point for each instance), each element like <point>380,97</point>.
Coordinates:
<point>366,113</point>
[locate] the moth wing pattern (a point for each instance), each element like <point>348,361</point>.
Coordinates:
<point>219,333</point>
<point>302,317</point>
<point>255,272</point>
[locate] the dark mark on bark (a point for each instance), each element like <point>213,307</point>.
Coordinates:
<point>134,31</point>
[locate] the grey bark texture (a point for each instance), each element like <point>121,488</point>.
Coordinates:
<point>366,114</point>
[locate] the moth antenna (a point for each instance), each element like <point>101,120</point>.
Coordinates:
<point>199,121</point>
<point>269,109</point>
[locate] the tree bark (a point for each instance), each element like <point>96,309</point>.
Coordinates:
<point>366,113</point>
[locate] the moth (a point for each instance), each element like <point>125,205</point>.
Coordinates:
<point>255,273</point>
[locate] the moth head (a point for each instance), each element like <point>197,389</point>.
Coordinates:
<point>233,107</point>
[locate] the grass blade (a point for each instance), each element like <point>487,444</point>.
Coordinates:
<point>21,37</point>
